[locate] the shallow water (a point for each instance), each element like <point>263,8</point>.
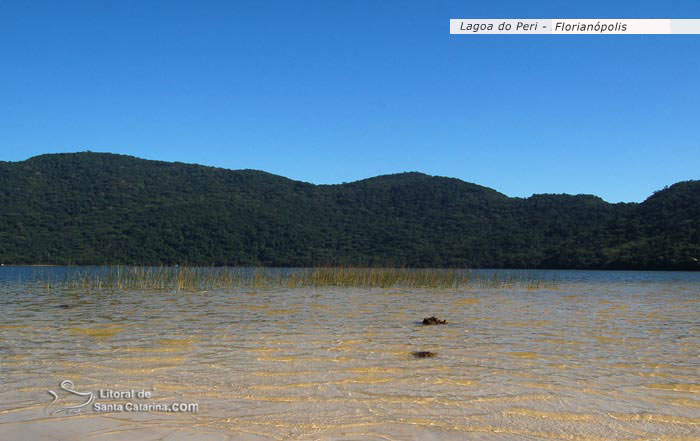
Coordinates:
<point>603,355</point>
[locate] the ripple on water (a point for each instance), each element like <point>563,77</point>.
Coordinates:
<point>676,387</point>
<point>588,361</point>
<point>99,332</point>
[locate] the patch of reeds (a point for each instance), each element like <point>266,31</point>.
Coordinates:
<point>194,279</point>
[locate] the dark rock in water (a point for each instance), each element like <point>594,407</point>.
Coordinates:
<point>64,306</point>
<point>423,354</point>
<point>434,321</point>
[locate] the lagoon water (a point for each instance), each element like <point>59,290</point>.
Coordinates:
<point>598,356</point>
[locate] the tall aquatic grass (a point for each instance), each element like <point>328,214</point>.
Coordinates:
<point>194,279</point>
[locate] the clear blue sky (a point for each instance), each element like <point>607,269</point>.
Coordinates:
<point>329,91</point>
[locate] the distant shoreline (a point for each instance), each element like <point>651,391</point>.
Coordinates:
<point>331,267</point>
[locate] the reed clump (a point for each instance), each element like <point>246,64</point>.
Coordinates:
<point>194,279</point>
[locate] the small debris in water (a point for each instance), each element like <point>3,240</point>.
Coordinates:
<point>64,306</point>
<point>423,354</point>
<point>432,320</point>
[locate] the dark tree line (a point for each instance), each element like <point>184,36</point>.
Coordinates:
<point>93,208</point>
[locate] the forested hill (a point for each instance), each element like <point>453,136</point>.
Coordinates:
<point>96,208</point>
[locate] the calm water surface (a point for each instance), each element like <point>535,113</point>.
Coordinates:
<point>603,355</point>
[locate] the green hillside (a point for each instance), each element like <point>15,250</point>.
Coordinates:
<point>96,208</point>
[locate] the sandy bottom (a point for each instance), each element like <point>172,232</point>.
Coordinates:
<point>589,361</point>
<point>33,425</point>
